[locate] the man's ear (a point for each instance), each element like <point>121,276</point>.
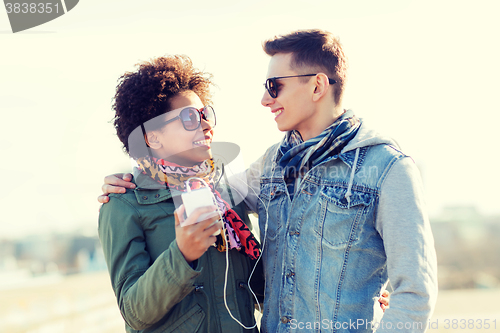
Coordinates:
<point>322,86</point>
<point>152,141</point>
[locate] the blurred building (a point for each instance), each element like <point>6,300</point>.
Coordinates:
<point>54,254</point>
<point>468,248</point>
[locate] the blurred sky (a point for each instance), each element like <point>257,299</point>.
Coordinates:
<point>424,72</point>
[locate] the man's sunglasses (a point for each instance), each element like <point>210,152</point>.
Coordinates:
<point>191,117</point>
<point>272,87</point>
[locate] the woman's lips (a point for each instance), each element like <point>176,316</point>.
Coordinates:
<point>205,142</point>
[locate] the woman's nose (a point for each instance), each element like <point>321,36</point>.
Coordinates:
<point>205,125</point>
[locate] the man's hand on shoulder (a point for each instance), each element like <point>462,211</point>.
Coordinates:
<point>116,183</point>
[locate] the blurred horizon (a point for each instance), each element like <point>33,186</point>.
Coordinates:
<point>423,72</point>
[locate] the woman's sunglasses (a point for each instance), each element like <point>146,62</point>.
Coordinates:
<point>272,87</point>
<point>191,117</point>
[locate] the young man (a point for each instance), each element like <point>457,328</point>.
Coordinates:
<point>341,209</point>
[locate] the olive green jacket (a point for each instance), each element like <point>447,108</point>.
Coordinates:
<point>156,289</point>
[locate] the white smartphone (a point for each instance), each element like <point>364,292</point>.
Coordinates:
<point>201,197</point>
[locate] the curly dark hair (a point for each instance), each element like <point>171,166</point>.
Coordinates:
<point>146,93</point>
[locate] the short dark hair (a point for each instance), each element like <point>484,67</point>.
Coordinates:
<point>146,93</point>
<point>318,49</point>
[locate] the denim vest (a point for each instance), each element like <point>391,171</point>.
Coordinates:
<point>324,259</point>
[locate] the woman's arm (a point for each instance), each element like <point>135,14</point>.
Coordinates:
<point>146,291</point>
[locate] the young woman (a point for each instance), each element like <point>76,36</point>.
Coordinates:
<point>168,277</point>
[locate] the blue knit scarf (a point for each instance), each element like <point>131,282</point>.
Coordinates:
<point>299,156</point>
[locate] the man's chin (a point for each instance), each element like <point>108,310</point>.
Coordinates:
<point>283,128</point>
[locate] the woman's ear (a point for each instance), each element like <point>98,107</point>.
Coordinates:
<point>152,140</point>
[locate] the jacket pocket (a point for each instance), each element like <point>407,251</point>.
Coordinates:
<point>340,216</point>
<point>268,191</point>
<point>189,322</point>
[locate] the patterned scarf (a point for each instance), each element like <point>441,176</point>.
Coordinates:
<point>299,156</point>
<point>176,176</point>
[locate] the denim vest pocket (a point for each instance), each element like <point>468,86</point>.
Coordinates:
<point>189,322</point>
<point>339,216</point>
<point>270,190</point>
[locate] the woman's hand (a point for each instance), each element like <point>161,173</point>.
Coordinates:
<point>116,183</point>
<point>384,300</point>
<point>195,238</point>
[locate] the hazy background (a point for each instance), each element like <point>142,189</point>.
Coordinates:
<point>424,72</point>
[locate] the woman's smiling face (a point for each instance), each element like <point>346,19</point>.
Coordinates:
<point>173,142</point>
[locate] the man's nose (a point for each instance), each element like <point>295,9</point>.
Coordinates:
<point>266,99</point>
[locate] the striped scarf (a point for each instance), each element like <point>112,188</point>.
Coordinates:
<point>299,156</point>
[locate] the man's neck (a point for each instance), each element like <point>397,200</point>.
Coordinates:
<point>322,121</point>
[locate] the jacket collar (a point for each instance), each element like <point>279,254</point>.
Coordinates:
<point>149,191</point>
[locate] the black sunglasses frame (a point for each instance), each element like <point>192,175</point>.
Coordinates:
<point>273,92</point>
<point>200,114</point>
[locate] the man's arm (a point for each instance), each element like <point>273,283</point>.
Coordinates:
<point>116,183</point>
<point>246,184</point>
<point>403,224</point>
